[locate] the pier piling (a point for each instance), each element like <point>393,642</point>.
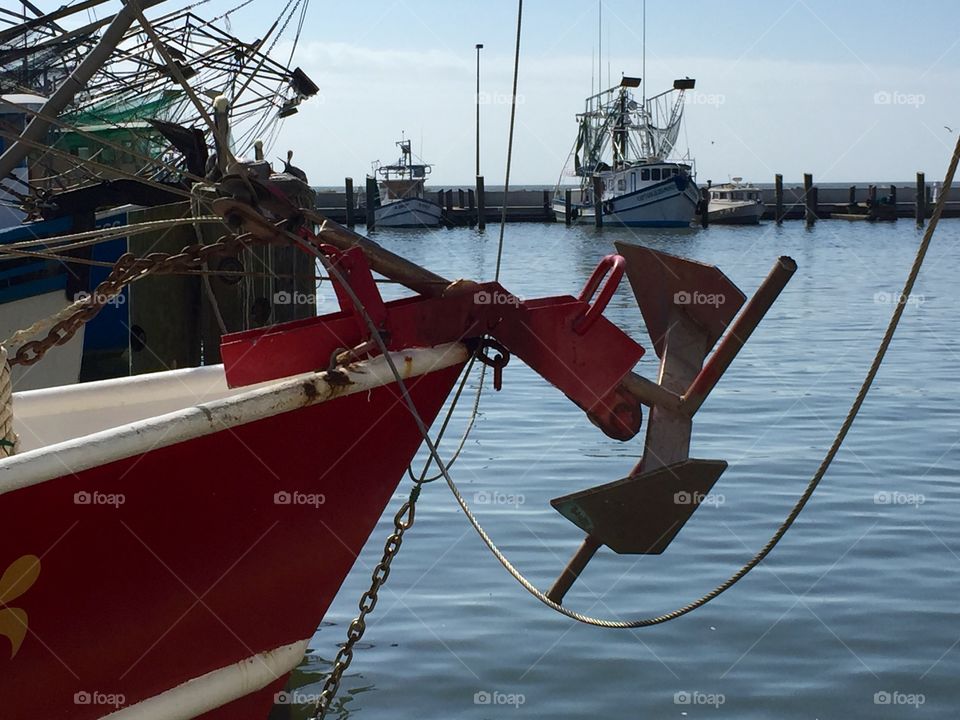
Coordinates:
<point>921,199</point>
<point>371,201</point>
<point>872,210</point>
<point>597,201</point>
<point>481,204</point>
<point>567,206</point>
<point>852,197</point>
<point>778,193</point>
<point>348,186</point>
<point>810,199</point>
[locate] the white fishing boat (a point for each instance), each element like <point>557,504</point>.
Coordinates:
<point>735,203</point>
<point>624,151</point>
<point>402,204</point>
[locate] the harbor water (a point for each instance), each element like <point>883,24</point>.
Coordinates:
<point>854,615</point>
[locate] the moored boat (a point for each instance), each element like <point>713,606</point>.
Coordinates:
<point>623,152</point>
<point>402,202</point>
<point>735,203</point>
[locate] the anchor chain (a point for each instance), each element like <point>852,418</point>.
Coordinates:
<point>402,522</point>
<point>127,269</point>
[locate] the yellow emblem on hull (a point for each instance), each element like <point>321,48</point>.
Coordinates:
<point>16,580</point>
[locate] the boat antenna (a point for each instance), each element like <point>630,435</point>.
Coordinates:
<point>599,45</point>
<point>643,66</point>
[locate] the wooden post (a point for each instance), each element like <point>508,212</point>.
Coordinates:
<point>852,197</point>
<point>441,198</point>
<point>921,198</point>
<point>810,199</point>
<point>873,210</point>
<point>481,204</point>
<point>460,197</point>
<point>814,202</point>
<point>893,199</point>
<point>597,201</point>
<point>778,196</point>
<point>449,200</point>
<point>371,202</point>
<point>348,188</point>
<point>546,199</point>
<point>567,206</point>
<point>471,200</point>
<point>704,207</point>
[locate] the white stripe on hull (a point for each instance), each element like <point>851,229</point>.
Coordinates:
<point>216,688</point>
<point>667,207</point>
<point>742,214</point>
<point>408,212</point>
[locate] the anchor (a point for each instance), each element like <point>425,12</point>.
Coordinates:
<point>687,306</point>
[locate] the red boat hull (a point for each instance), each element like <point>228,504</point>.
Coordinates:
<point>185,559</point>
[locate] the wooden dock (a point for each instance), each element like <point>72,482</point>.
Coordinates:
<point>469,206</point>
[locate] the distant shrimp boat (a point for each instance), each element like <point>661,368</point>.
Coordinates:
<point>735,203</point>
<point>402,204</point>
<point>624,148</point>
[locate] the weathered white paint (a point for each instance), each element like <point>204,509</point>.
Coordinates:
<point>216,688</point>
<point>86,447</point>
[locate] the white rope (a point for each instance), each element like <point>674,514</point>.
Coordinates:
<point>41,326</point>
<point>9,439</point>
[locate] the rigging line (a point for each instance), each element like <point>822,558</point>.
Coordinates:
<point>513,115</point>
<point>296,38</point>
<point>808,491</point>
<point>78,240</point>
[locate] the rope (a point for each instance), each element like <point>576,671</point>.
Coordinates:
<point>41,326</point>
<point>807,493</point>
<point>8,439</point>
<point>513,115</point>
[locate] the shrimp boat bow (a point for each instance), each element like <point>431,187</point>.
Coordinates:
<point>171,541</point>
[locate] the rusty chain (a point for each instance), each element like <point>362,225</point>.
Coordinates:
<point>402,522</point>
<point>127,269</point>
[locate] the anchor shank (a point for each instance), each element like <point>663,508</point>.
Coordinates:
<point>738,334</point>
<point>573,569</point>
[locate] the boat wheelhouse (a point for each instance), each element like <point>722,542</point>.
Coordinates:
<point>735,203</point>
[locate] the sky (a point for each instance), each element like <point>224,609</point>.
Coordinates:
<point>849,91</point>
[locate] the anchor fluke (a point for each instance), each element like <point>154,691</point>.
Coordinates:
<point>638,515</point>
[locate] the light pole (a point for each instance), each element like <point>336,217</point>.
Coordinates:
<point>479,47</point>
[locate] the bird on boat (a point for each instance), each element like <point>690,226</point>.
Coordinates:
<point>292,169</point>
